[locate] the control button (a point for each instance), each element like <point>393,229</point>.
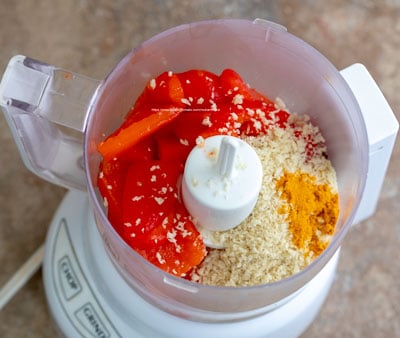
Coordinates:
<point>91,321</point>
<point>70,285</point>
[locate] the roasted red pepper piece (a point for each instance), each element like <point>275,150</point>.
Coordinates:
<point>149,196</point>
<point>110,181</point>
<point>200,88</point>
<point>172,148</point>
<point>165,89</point>
<point>154,221</point>
<point>190,125</point>
<point>260,117</point>
<point>144,150</point>
<point>135,132</point>
<point>232,84</point>
<point>183,248</point>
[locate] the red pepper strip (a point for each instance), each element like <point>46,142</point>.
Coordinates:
<point>111,182</point>
<point>164,89</point>
<point>155,223</point>
<point>232,84</point>
<point>135,132</point>
<point>199,87</point>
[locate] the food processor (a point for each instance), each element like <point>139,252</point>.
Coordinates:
<point>96,285</point>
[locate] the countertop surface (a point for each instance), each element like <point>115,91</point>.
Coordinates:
<point>90,37</point>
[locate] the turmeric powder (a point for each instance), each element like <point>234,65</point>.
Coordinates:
<point>312,210</point>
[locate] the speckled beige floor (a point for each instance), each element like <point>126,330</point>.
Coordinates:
<point>90,36</point>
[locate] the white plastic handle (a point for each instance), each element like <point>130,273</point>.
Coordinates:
<point>382,128</point>
<point>46,110</point>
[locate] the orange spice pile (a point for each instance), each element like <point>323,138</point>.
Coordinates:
<point>312,210</point>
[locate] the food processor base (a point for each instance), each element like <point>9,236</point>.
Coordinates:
<point>88,297</point>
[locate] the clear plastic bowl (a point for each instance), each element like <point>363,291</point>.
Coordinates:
<point>277,64</point>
